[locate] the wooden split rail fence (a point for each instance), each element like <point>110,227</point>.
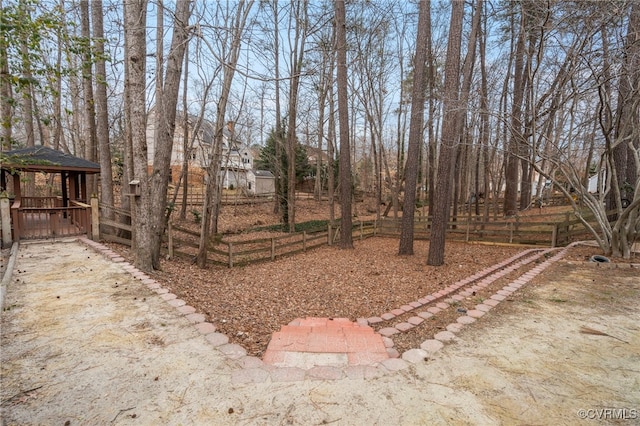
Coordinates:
<point>545,230</point>
<point>552,231</point>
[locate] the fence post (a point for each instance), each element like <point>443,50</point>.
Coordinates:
<point>230,255</point>
<point>361,231</point>
<point>273,248</point>
<point>95,218</point>
<point>304,240</point>
<point>5,217</point>
<point>510,232</point>
<point>329,236</point>
<point>468,224</point>
<point>554,235</point>
<point>170,238</point>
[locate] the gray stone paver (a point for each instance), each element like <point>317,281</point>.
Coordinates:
<point>415,356</point>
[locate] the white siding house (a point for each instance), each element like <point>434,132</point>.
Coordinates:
<point>236,161</point>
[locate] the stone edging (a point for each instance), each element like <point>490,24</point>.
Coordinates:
<point>253,370</point>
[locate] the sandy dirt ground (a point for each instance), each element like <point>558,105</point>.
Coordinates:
<point>85,343</point>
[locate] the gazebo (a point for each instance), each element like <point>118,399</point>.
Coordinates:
<point>46,216</point>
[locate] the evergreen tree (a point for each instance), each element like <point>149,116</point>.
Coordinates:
<point>267,159</point>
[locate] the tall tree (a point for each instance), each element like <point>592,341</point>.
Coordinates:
<point>135,17</point>
<point>213,194</point>
<point>416,132</point>
<point>165,126</point>
<point>450,136</point>
<point>625,172</point>
<point>5,92</point>
<point>346,238</point>
<point>299,15</point>
<point>101,103</point>
<point>516,135</point>
<point>90,137</point>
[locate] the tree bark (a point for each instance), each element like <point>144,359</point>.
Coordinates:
<point>512,161</point>
<point>135,17</point>
<point>165,126</point>
<point>450,137</point>
<point>415,129</point>
<point>91,147</point>
<point>297,55</point>
<point>346,238</point>
<point>102,113</point>
<point>6,110</point>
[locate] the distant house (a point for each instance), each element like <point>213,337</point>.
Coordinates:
<point>315,155</point>
<point>197,151</point>
<point>236,160</point>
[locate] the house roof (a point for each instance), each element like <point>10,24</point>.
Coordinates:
<point>45,159</point>
<point>263,173</point>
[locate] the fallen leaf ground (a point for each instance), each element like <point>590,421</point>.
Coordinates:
<point>250,303</point>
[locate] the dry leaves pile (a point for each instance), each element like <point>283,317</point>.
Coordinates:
<point>249,303</point>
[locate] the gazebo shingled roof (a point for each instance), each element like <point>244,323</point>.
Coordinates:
<point>45,159</point>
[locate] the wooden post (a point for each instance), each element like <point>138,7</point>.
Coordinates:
<point>273,248</point>
<point>304,240</point>
<point>5,220</point>
<point>95,218</point>
<point>170,238</point>
<point>15,219</point>
<point>361,231</point>
<point>230,255</point>
<point>554,235</point>
<point>329,236</point>
<point>510,232</point>
<point>468,224</point>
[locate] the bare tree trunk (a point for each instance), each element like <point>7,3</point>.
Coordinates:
<point>322,103</point>
<point>57,105</point>
<point>102,113</point>
<point>186,146</point>
<point>484,124</point>
<point>27,107</point>
<point>278,196</point>
<point>6,111</point>
<point>416,129</point>
<point>512,169</point>
<point>450,136</point>
<point>331,140</point>
<point>213,195</point>
<point>91,148</point>
<point>346,238</point>
<point>627,113</point>
<point>135,16</point>
<point>165,126</point>
<point>297,56</point>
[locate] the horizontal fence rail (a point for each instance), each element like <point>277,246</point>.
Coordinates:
<point>184,242</point>
<point>115,225</point>
<point>544,230</point>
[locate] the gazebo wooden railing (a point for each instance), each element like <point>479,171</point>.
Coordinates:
<point>45,217</point>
